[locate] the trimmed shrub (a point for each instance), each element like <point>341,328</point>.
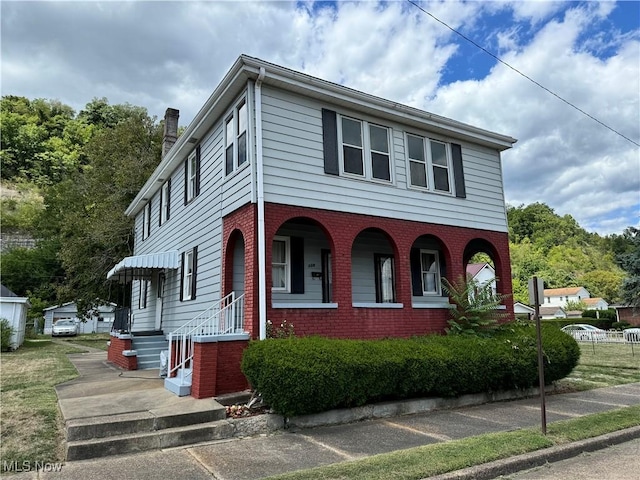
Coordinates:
<point>297,376</point>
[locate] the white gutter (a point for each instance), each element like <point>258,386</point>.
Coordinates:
<point>262,254</point>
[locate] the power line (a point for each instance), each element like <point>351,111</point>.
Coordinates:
<point>523,74</point>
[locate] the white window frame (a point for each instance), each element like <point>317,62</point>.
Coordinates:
<point>232,138</point>
<point>367,159</point>
<point>429,165</point>
<point>187,275</point>
<point>164,206</point>
<point>438,290</point>
<point>192,175</point>
<point>146,221</point>
<point>287,264</point>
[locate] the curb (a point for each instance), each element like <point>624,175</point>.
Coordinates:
<point>492,470</point>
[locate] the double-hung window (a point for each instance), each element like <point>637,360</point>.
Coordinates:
<point>192,176</point>
<point>235,134</point>
<point>429,164</point>
<point>188,274</point>
<point>146,221</point>
<point>430,267</point>
<point>281,264</point>
<point>165,202</point>
<point>365,149</point>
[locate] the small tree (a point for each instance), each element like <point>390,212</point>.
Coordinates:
<point>476,307</point>
<point>5,334</point>
<point>575,306</point>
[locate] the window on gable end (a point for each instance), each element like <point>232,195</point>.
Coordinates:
<point>192,176</point>
<point>165,203</point>
<point>146,221</point>
<point>235,137</point>
<point>189,266</point>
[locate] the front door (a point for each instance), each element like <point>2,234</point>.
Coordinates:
<point>160,294</point>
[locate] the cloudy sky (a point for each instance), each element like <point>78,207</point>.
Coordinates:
<point>158,54</point>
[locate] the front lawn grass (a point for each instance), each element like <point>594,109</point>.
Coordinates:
<point>435,459</point>
<point>603,365</point>
<point>93,340</point>
<point>30,423</point>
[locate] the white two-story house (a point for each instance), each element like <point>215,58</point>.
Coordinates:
<point>292,198</point>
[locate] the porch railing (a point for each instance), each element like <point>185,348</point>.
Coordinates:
<point>223,318</point>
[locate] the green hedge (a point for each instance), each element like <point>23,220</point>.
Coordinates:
<point>604,324</point>
<point>297,376</point>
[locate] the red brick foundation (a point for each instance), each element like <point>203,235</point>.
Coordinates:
<point>114,354</point>
<point>216,368</point>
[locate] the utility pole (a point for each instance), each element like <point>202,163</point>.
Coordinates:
<point>536,297</point>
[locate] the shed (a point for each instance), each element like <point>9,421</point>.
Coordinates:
<point>14,309</point>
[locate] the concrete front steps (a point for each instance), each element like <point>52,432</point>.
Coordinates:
<point>124,433</point>
<point>148,348</point>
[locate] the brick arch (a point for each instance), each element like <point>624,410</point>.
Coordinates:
<point>482,245</point>
<point>234,236</point>
<point>314,221</point>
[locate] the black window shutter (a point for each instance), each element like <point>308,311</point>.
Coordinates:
<point>297,265</point>
<point>416,272</point>
<point>458,172</point>
<point>194,274</point>
<point>197,192</point>
<point>168,200</point>
<point>186,179</point>
<point>160,212</point>
<point>330,141</point>
<point>182,276</point>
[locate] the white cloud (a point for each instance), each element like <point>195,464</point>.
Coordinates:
<point>160,54</point>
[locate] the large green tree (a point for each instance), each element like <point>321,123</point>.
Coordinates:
<point>86,212</point>
<point>630,262</point>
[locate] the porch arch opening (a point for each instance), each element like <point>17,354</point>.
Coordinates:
<point>235,264</point>
<point>373,268</point>
<point>483,265</point>
<point>429,259</point>
<point>302,264</point>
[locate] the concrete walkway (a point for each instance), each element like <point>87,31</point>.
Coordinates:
<point>294,449</point>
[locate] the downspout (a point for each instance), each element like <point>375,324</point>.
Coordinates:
<point>262,254</point>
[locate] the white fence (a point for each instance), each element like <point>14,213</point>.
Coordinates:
<point>610,336</point>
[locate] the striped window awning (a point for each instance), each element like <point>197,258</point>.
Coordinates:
<point>140,267</point>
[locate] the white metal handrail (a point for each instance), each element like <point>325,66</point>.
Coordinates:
<point>223,318</point>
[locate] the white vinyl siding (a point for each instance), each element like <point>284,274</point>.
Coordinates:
<point>293,149</point>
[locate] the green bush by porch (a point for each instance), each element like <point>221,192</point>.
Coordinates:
<point>298,376</point>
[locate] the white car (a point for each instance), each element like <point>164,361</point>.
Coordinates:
<point>631,335</point>
<point>64,327</point>
<point>583,331</point>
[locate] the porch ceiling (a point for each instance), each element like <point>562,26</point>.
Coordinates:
<point>140,267</point>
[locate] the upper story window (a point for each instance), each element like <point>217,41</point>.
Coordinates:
<point>235,137</point>
<point>429,164</point>
<point>146,221</point>
<point>192,176</point>
<point>165,203</point>
<point>365,149</point>
<point>281,264</point>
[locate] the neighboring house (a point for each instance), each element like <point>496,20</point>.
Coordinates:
<point>596,303</point>
<point>292,198</point>
<point>101,321</point>
<point>14,309</point>
<point>558,297</point>
<point>522,309</point>
<point>482,274</point>
<point>552,312</point>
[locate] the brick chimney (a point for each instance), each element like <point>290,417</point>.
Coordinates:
<point>170,129</point>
